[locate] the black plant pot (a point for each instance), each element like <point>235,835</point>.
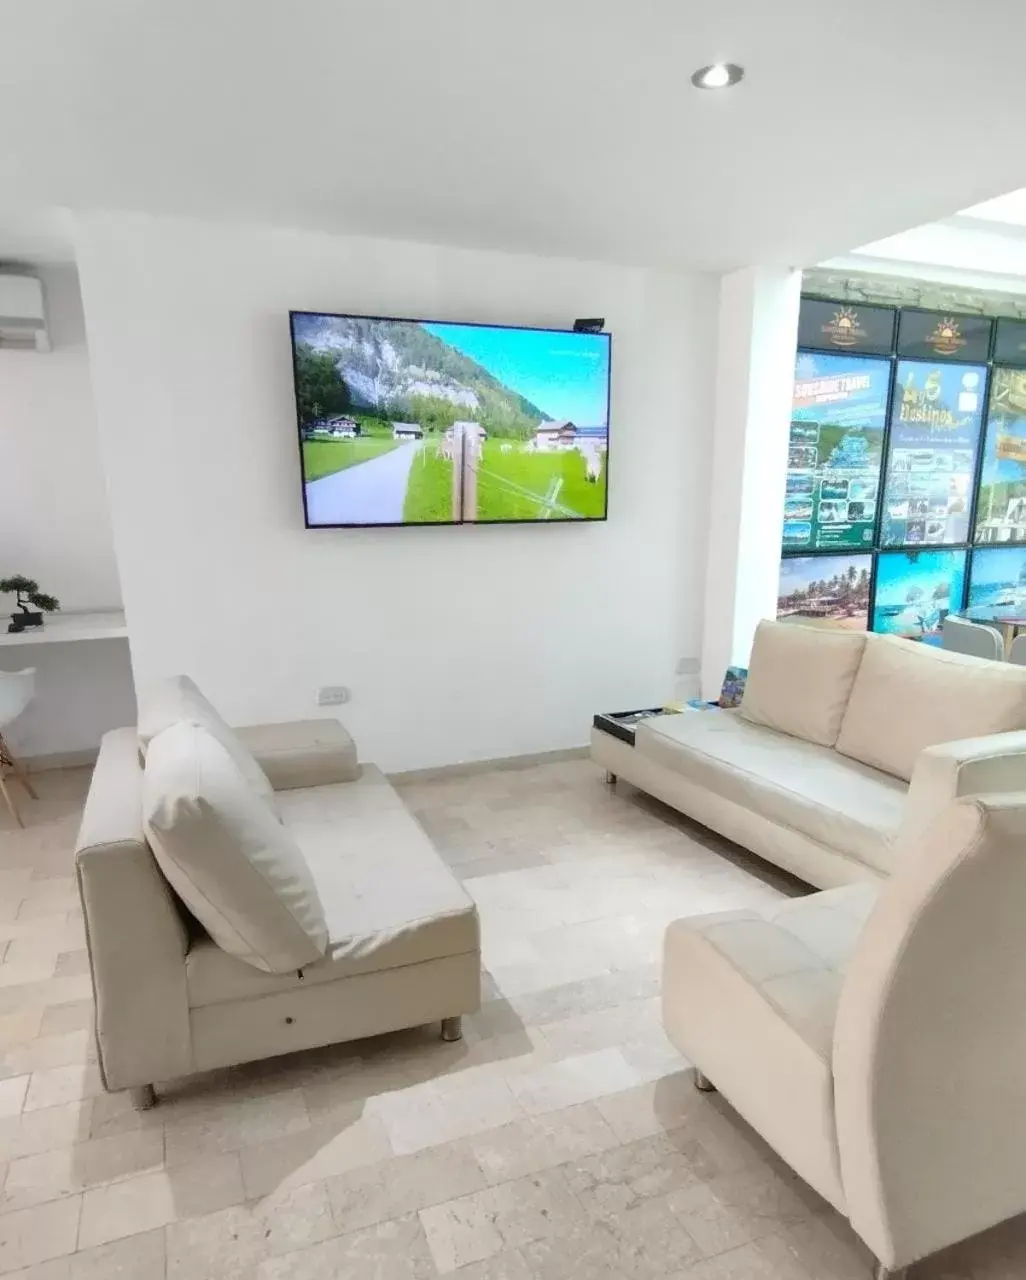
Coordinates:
<point>24,620</point>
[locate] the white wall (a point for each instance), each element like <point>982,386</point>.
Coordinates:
<point>758,333</point>
<point>54,527</point>
<point>458,643</point>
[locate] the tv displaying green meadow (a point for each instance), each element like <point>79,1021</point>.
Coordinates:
<point>412,422</point>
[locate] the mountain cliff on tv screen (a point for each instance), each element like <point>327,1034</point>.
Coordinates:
<point>406,422</point>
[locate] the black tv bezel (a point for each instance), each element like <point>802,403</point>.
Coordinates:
<point>449,524</point>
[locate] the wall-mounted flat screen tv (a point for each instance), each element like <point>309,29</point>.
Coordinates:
<point>413,422</point>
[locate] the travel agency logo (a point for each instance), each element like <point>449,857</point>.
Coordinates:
<point>845,329</point>
<point>946,338</point>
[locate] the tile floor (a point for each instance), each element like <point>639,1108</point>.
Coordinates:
<point>561,1140</point>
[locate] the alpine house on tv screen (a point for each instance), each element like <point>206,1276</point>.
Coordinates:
<point>409,422</point>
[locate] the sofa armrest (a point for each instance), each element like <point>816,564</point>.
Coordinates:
<point>302,753</point>
<point>135,934</point>
<point>968,767</point>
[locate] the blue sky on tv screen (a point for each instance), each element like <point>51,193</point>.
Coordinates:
<point>565,374</point>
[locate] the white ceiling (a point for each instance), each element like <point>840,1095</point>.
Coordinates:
<point>554,126</point>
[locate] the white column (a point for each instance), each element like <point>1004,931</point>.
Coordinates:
<point>758,333</point>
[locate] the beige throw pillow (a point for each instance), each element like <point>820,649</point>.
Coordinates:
<point>800,678</point>
<point>221,847</point>
<point>909,695</point>
<point>176,699</point>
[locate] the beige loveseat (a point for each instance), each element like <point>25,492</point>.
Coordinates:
<point>844,749</point>
<point>400,942</point>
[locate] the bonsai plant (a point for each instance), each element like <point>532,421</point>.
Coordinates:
<point>26,593</point>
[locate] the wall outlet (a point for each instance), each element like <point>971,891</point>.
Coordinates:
<point>687,666</point>
<point>332,695</point>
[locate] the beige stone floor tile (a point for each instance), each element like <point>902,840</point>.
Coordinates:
<point>17,1029</point>
<point>637,1244</point>
<point>441,1111</point>
<point>138,1257</point>
<point>765,1259</point>
<point>541,1142</point>
<point>125,1208</point>
<point>12,1095</point>
<point>507,1265</point>
<point>573,1080</point>
<point>392,1188</point>
<point>71,962</point>
<point>603,1028</point>
<point>59,1019</point>
<point>206,1184</point>
<point>509,1216</point>
<point>221,1124</point>
<point>654,1107</point>
<point>623,1177</point>
<point>734,1209</point>
<point>51,991</point>
<point>243,1236</point>
<point>53,1174</point>
<point>44,1052</point>
<point>320,1151</point>
<point>829,1249</point>
<point>55,1086</point>
<point>35,1131</point>
<point>34,1235</point>
<point>603,991</point>
<point>394,1250</point>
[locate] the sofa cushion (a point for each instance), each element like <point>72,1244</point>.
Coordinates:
<point>800,679</point>
<point>389,899</point>
<point>221,847</point>
<point>812,789</point>
<point>763,987</point>
<point>176,699</point>
<point>909,696</point>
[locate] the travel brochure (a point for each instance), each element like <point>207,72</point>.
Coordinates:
<point>935,427</point>
<point>832,589</point>
<point>1001,510</point>
<point>915,590</point>
<point>838,413</point>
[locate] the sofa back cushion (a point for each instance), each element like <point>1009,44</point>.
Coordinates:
<point>222,848</point>
<point>800,679</point>
<point>177,699</point>
<point>908,696</point>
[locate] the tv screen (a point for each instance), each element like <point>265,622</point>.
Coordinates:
<point>412,422</point>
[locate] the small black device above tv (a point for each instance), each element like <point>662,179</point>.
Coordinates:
<point>413,422</point>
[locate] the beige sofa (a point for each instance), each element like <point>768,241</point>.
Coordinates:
<point>402,948</point>
<point>875,1034</point>
<point>844,748</point>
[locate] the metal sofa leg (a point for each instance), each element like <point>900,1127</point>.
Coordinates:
<point>610,778</point>
<point>702,1082</point>
<point>452,1029</point>
<point>885,1273</point>
<point>143,1097</point>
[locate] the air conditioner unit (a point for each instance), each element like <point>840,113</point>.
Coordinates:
<point>22,312</point>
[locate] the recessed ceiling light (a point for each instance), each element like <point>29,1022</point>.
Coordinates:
<point>721,75</point>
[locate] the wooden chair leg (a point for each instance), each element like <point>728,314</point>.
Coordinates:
<point>10,801</point>
<point>8,758</point>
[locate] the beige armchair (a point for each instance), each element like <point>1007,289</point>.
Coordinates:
<point>875,1035</point>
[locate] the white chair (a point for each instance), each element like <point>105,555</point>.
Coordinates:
<point>962,636</point>
<point>1017,651</point>
<point>16,691</point>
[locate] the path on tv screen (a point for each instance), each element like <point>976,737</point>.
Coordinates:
<point>414,483</point>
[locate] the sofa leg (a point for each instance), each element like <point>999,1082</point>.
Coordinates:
<point>885,1273</point>
<point>452,1029</point>
<point>610,778</point>
<point>702,1082</point>
<point>143,1097</point>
